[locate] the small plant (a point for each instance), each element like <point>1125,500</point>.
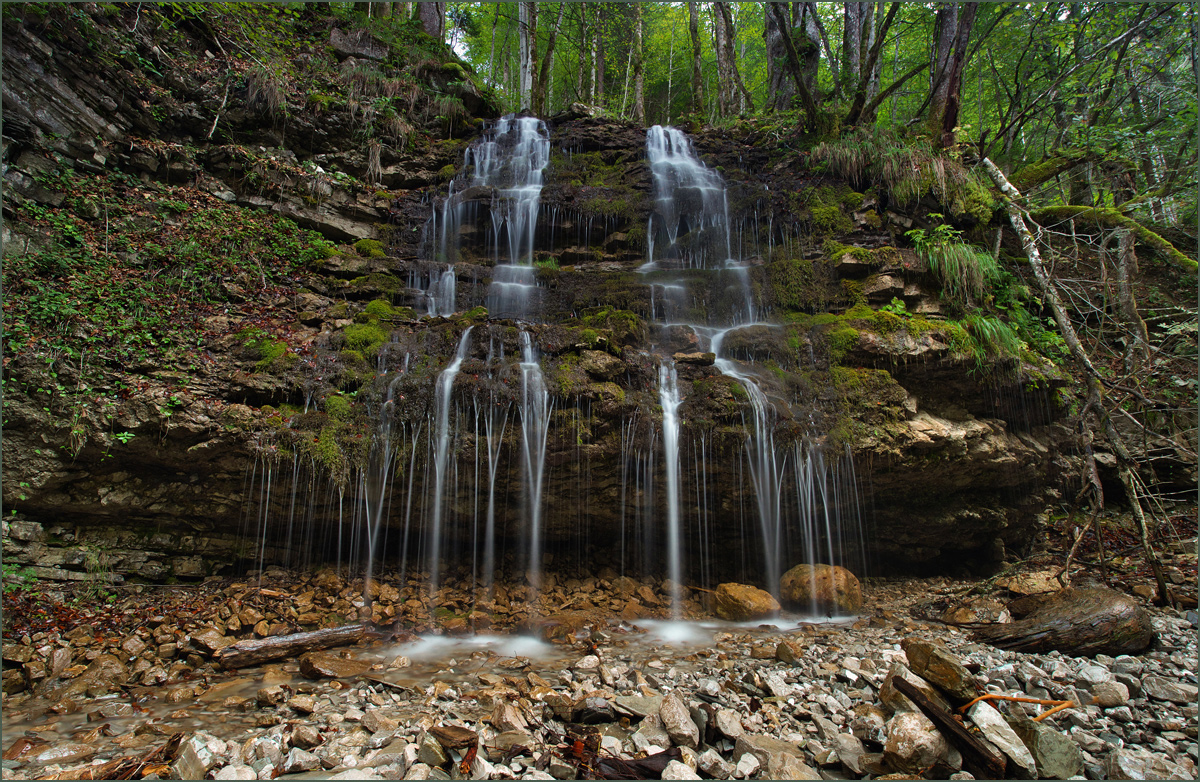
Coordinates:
<point>964,271</point>
<point>18,578</point>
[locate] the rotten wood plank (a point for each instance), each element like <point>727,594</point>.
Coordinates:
<point>977,758</point>
<point>260,650</point>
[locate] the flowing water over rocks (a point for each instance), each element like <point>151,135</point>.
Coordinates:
<point>775,698</point>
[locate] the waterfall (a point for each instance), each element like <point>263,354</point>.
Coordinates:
<point>535,417</point>
<point>668,395</point>
<point>445,383</point>
<point>510,161</point>
<point>689,199</point>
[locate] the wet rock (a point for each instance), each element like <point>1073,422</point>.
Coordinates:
<point>270,696</point>
<point>422,771</point>
<point>741,602</point>
<point>913,743</point>
<point>194,760</point>
<point>377,723</point>
<point>789,651</point>
<point>1056,756</point>
<point>696,359</point>
<point>233,771</point>
<point>821,588</point>
<point>209,640</point>
<point>454,737</point>
<point>64,753</point>
<point>306,736</point>
<point>319,665</point>
<point>996,730</point>
<point>297,760</point>
<point>1161,688</point>
<point>677,721</point>
<point>507,718</point>
<point>103,675</point>
<point>595,711</point>
<point>936,665</point>
<point>651,733</point>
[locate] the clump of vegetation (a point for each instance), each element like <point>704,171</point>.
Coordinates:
<point>369,248</point>
<point>908,168</point>
<point>366,338</point>
<point>964,272</point>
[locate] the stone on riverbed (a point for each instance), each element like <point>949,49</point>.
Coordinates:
<point>742,602</point>
<point>913,742</point>
<point>677,721</point>
<point>318,665</point>
<point>821,588</point>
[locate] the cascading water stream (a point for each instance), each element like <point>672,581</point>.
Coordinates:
<point>535,417</point>
<point>445,384</point>
<point>668,395</point>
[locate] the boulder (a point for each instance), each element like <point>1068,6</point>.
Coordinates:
<point>913,743</point>
<point>821,589</point>
<point>1056,756</point>
<point>742,602</point>
<point>994,728</point>
<point>933,663</point>
<point>677,721</point>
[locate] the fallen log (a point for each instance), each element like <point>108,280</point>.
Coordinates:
<point>977,758</point>
<point>1078,622</point>
<point>260,650</point>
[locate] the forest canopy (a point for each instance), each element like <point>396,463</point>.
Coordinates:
<point>1096,98</point>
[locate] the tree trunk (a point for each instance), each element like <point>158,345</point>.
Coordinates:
<point>1138,351</point>
<point>854,17</point>
<point>433,19</point>
<point>639,75</point>
<point>541,83</point>
<point>697,77</point>
<point>261,650</point>
<point>953,34</point>
<point>599,59</point>
<point>735,76</point>
<point>793,58</point>
<point>527,32</point>
<point>724,81</point>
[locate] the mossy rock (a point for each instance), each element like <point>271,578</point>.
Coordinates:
<point>369,248</point>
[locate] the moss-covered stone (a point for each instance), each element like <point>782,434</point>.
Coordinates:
<point>369,248</point>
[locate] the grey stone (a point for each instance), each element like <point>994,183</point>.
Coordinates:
<point>850,751</point>
<point>677,770</point>
<point>713,765</point>
<point>1056,756</point>
<point>677,721</point>
<point>913,742</point>
<point>1163,689</point>
<point>994,727</point>
<point>431,751</point>
<point>233,771</point>
<point>638,706</point>
<point>1110,693</point>
<point>1137,763</point>
<point>764,747</point>
<point>787,766</point>
<point>729,723</point>
<point>297,760</point>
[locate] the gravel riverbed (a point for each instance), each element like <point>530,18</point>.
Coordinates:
<point>596,696</point>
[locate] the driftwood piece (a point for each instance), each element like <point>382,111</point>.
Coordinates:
<point>261,650</point>
<point>1078,622</point>
<point>977,758</point>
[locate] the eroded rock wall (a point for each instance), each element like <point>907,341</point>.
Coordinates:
<point>193,464</point>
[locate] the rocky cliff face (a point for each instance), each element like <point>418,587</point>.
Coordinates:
<point>302,422</point>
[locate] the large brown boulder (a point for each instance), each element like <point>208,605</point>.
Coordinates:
<point>741,602</point>
<point>822,589</point>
